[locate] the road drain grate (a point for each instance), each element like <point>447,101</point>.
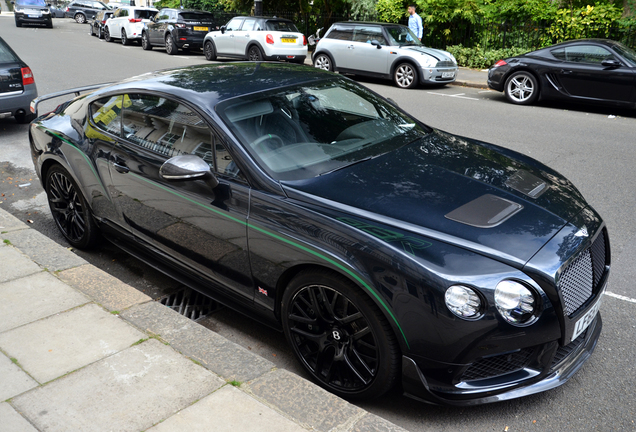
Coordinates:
<point>190,303</point>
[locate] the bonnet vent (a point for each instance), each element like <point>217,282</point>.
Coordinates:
<point>487,211</point>
<point>526,183</point>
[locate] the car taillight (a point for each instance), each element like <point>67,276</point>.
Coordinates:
<point>269,39</point>
<point>134,20</point>
<point>67,9</point>
<point>27,76</point>
<point>500,63</point>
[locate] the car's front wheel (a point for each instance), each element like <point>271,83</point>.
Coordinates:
<point>145,41</point>
<point>521,88</point>
<point>18,24</point>
<point>171,47</point>
<point>209,51</point>
<point>339,335</point>
<point>323,61</point>
<point>254,54</point>
<point>72,215</point>
<point>405,76</point>
<point>100,34</point>
<point>107,37</point>
<point>80,18</point>
<point>124,38</point>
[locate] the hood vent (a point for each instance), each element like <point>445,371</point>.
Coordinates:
<point>526,183</point>
<point>487,211</point>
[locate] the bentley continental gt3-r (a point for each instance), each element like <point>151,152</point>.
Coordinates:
<point>388,252</point>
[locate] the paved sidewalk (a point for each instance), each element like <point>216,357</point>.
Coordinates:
<point>82,351</point>
<point>472,78</point>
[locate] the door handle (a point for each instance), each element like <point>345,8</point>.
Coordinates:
<point>351,47</point>
<point>120,165</point>
<point>247,35</point>
<point>565,72</point>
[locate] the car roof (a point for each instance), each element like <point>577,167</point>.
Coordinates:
<point>356,23</point>
<point>264,18</point>
<point>207,85</point>
<point>187,10</point>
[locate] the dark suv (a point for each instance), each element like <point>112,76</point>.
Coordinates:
<point>84,10</point>
<point>177,29</point>
<point>32,12</point>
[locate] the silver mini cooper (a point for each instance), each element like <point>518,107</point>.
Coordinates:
<point>383,50</point>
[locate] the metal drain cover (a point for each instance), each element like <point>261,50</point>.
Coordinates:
<point>190,303</point>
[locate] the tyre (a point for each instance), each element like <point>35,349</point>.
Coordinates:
<point>209,51</point>
<point>72,215</point>
<point>25,118</point>
<point>49,24</point>
<point>107,37</point>
<point>92,30</point>
<point>100,34</point>
<point>323,61</point>
<point>124,38</point>
<point>254,54</point>
<point>522,88</point>
<point>145,42</point>
<point>171,47</point>
<point>80,18</point>
<point>405,76</point>
<point>339,336</point>
<point>18,24</point>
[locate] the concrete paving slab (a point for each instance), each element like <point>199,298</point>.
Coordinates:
<point>8,222</point>
<point>14,264</point>
<point>34,297</point>
<point>14,380</point>
<point>11,421</point>
<point>227,410</point>
<point>105,289</point>
<point>43,250</point>
<point>129,391</point>
<point>225,358</point>
<point>57,345</point>
<point>373,423</point>
<point>304,402</point>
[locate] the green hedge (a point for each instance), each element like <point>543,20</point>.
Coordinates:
<point>479,58</point>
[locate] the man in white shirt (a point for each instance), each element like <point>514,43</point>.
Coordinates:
<point>415,22</point>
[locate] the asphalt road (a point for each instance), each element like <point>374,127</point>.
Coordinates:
<point>594,147</point>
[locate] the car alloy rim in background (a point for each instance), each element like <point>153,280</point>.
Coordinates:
<point>521,88</point>
<point>322,62</point>
<point>169,44</point>
<point>333,338</point>
<point>124,37</point>
<point>255,54</point>
<point>209,51</point>
<point>66,206</point>
<point>404,75</point>
<point>81,19</point>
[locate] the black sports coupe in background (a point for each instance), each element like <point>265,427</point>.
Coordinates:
<point>585,70</point>
<point>387,251</point>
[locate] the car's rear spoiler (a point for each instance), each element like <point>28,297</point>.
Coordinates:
<point>77,91</point>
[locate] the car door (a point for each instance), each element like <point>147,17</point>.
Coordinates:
<point>365,56</point>
<point>242,36</point>
<point>224,40</point>
<point>200,229</point>
<point>153,26</point>
<point>583,76</point>
<point>340,40</point>
<point>115,24</point>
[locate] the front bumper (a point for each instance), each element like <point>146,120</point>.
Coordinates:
<point>24,18</point>
<point>435,75</point>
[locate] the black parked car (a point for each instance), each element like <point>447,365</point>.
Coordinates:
<point>585,70</point>
<point>84,10</point>
<point>57,11</point>
<point>97,26</point>
<point>177,29</point>
<point>17,86</point>
<point>32,12</point>
<point>384,249</point>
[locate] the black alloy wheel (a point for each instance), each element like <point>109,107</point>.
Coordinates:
<point>339,335</point>
<point>72,215</point>
<point>107,37</point>
<point>171,47</point>
<point>124,38</point>
<point>145,41</point>
<point>80,18</point>
<point>209,51</point>
<point>254,54</point>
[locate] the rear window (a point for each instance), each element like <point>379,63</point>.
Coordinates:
<point>285,26</point>
<point>144,14</point>
<point>196,16</point>
<point>31,3</point>
<point>6,55</point>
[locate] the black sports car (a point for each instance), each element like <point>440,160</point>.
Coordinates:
<point>385,250</point>
<point>585,70</point>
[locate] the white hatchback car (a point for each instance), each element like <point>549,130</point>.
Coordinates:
<point>257,39</point>
<point>127,23</point>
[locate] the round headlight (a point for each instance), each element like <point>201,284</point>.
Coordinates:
<point>515,302</point>
<point>463,301</point>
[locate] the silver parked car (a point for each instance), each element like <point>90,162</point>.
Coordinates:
<point>383,50</point>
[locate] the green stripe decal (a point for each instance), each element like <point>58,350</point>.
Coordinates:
<point>289,242</point>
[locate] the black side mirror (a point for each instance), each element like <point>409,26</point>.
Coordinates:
<point>611,63</point>
<point>188,167</point>
<point>376,44</point>
<point>223,29</point>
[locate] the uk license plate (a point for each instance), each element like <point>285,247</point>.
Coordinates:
<point>197,28</point>
<point>584,322</point>
<point>448,74</point>
<point>288,40</point>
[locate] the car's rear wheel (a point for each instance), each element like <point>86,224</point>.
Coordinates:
<point>80,18</point>
<point>522,88</point>
<point>254,54</point>
<point>92,30</point>
<point>145,41</point>
<point>323,61</point>
<point>171,47</point>
<point>100,34</point>
<point>107,37</point>
<point>124,38</point>
<point>72,215</point>
<point>209,51</point>
<point>339,335</point>
<point>405,76</point>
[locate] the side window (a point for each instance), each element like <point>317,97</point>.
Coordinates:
<point>258,25</point>
<point>124,13</point>
<point>173,15</point>
<point>558,53</point>
<point>162,15</point>
<point>367,34</point>
<point>587,54</point>
<point>234,24</point>
<point>248,24</point>
<point>106,113</point>
<point>341,33</point>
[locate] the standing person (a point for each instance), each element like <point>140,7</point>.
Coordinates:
<point>415,22</point>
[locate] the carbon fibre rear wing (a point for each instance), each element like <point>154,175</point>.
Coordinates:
<point>77,91</point>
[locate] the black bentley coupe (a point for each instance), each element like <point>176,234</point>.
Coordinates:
<point>586,70</point>
<point>389,253</point>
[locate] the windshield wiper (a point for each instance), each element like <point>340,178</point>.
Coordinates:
<point>347,165</point>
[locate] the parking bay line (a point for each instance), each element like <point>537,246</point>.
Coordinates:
<point>459,95</point>
<point>620,297</point>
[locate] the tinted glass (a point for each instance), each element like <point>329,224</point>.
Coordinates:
<point>583,54</point>
<point>628,54</point>
<point>40,3</point>
<point>402,36</point>
<point>6,55</point>
<point>194,16</point>
<point>341,33</point>
<point>144,14</point>
<point>285,26</point>
<point>367,34</point>
<point>164,14</point>
<point>304,131</point>
<point>106,113</point>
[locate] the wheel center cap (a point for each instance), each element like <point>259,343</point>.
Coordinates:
<point>336,335</point>
<point>71,206</point>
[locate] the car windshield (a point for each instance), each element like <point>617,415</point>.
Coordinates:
<point>286,26</point>
<point>304,131</point>
<point>40,3</point>
<point>144,13</point>
<point>402,36</point>
<point>6,56</point>
<point>627,53</point>
<point>196,16</point>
